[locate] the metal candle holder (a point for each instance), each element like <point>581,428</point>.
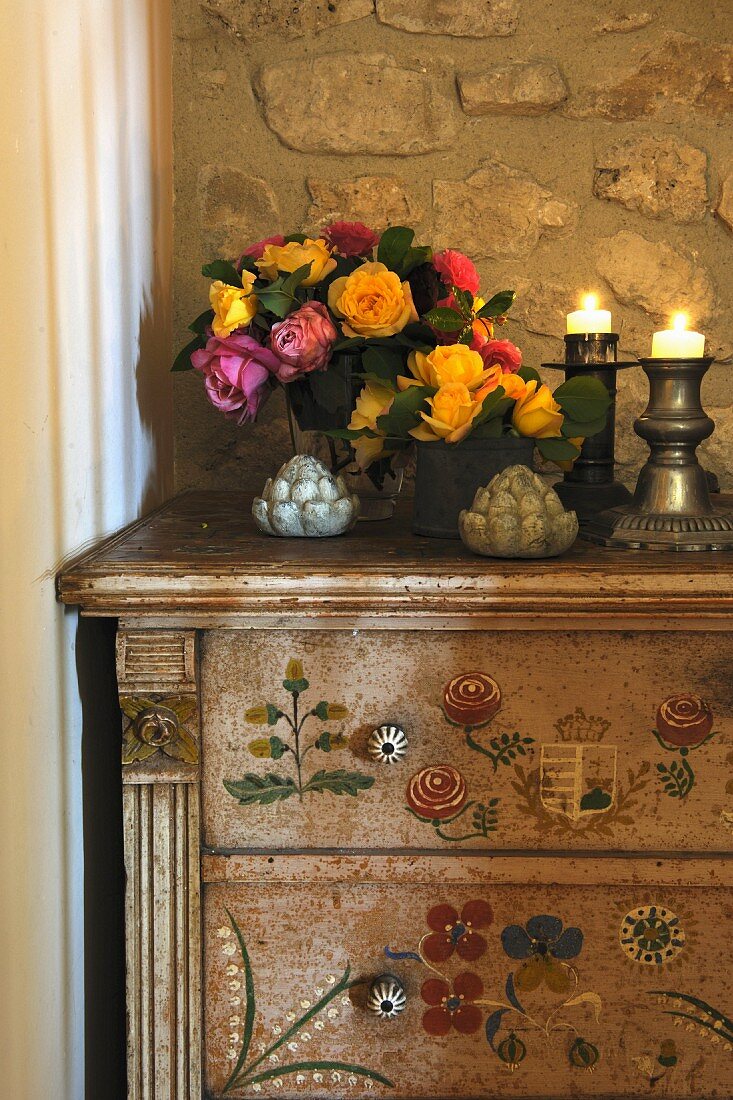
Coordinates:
<point>671,508</point>
<point>589,487</point>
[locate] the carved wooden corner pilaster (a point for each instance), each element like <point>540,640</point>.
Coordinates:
<point>160,752</point>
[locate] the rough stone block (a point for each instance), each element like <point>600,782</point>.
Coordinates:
<point>514,88</point>
<point>462,18</point>
<point>254,20</point>
<point>378,201</point>
<point>235,210</point>
<point>660,177</point>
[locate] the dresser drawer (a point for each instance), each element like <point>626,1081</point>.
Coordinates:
<point>552,740</point>
<point>524,977</point>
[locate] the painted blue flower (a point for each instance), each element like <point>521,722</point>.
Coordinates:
<point>544,947</point>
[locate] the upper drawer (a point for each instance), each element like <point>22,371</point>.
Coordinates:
<point>564,741</point>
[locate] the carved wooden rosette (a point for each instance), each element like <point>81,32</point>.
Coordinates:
<point>160,774</point>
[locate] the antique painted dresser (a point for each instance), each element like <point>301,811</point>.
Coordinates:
<point>400,821</point>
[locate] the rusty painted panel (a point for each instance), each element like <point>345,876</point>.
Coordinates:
<point>528,991</point>
<point>545,740</point>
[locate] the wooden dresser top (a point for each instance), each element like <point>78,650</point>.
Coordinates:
<point>199,559</point>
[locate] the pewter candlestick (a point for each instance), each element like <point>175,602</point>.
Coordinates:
<point>589,487</point>
<point>671,508</point>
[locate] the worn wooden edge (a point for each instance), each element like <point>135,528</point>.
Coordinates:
<point>517,869</point>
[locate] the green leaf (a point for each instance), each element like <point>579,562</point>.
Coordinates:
<point>404,412</point>
<point>444,319</point>
<point>295,238</point>
<point>529,374</point>
<point>466,336</point>
<point>249,1007</point>
<point>262,789</point>
<point>183,360</point>
<point>494,405</point>
<point>277,748</point>
<point>323,741</point>
<point>202,322</point>
<point>321,710</point>
<point>490,429</point>
<point>583,398</point>
<point>394,245</point>
<point>573,428</point>
<point>347,344</point>
<point>414,257</point>
<point>280,297</point>
<point>416,335</point>
<point>498,305</point>
<point>330,390</point>
<point>274,714</point>
<point>384,362</point>
<point>223,270</point>
<point>350,433</point>
<point>296,686</point>
<point>339,782</point>
<point>557,450</point>
<point>465,302</point>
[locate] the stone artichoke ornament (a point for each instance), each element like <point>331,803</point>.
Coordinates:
<point>517,516</point>
<point>304,499</point>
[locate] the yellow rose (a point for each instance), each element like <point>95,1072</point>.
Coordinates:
<point>291,256</point>
<point>233,306</point>
<point>537,414</point>
<point>453,409</point>
<point>449,363</point>
<point>372,301</point>
<point>513,386</point>
<point>373,401</point>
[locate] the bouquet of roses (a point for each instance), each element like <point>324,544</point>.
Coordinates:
<point>315,314</point>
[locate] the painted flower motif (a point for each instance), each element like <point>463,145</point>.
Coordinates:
<point>452,1007</point>
<point>544,947</point>
<point>471,699</point>
<point>684,721</point>
<point>652,935</point>
<point>453,933</point>
<point>158,726</point>
<point>437,793</point>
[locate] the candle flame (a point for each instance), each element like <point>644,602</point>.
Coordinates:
<point>590,301</point>
<point>679,322</point>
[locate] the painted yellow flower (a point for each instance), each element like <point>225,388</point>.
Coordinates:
<point>233,306</point>
<point>373,401</point>
<point>449,363</point>
<point>372,301</point>
<point>452,411</point>
<point>537,414</point>
<point>291,256</point>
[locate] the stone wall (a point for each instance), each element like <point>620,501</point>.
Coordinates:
<point>566,145</point>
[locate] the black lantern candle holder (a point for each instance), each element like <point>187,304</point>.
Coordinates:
<point>590,487</point>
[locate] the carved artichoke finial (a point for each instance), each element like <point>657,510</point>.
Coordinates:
<point>305,499</point>
<point>517,516</point>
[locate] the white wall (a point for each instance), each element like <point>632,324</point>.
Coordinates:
<point>85,230</point>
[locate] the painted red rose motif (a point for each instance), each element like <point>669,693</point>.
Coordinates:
<point>472,699</point>
<point>437,793</point>
<point>684,721</point>
<point>452,1007</point>
<point>457,934</point>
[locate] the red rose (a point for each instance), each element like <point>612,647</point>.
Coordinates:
<point>255,250</point>
<point>684,721</point>
<point>455,269</point>
<point>472,699</point>
<point>503,352</point>
<point>351,238</point>
<point>437,793</point>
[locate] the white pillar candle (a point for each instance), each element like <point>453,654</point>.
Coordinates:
<point>590,318</point>
<point>678,342</point>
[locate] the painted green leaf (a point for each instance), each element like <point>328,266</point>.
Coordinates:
<point>321,710</point>
<point>250,1007</point>
<point>339,782</point>
<point>296,686</point>
<point>222,270</point>
<point>277,748</point>
<point>262,789</point>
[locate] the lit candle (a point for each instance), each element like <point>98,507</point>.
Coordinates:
<point>590,318</point>
<point>678,342</point>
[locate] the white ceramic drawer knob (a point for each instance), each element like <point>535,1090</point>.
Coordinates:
<point>386,997</point>
<point>387,744</point>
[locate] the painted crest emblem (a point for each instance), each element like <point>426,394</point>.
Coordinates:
<point>578,774</point>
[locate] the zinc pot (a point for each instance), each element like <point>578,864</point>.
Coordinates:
<point>448,475</point>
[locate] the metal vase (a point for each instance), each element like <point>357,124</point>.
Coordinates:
<point>448,475</point>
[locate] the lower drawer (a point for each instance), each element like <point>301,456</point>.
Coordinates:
<point>532,977</point>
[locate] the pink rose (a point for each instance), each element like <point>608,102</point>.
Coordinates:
<point>237,374</point>
<point>302,342</point>
<point>455,269</point>
<point>503,352</point>
<point>351,238</point>
<point>255,250</point>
